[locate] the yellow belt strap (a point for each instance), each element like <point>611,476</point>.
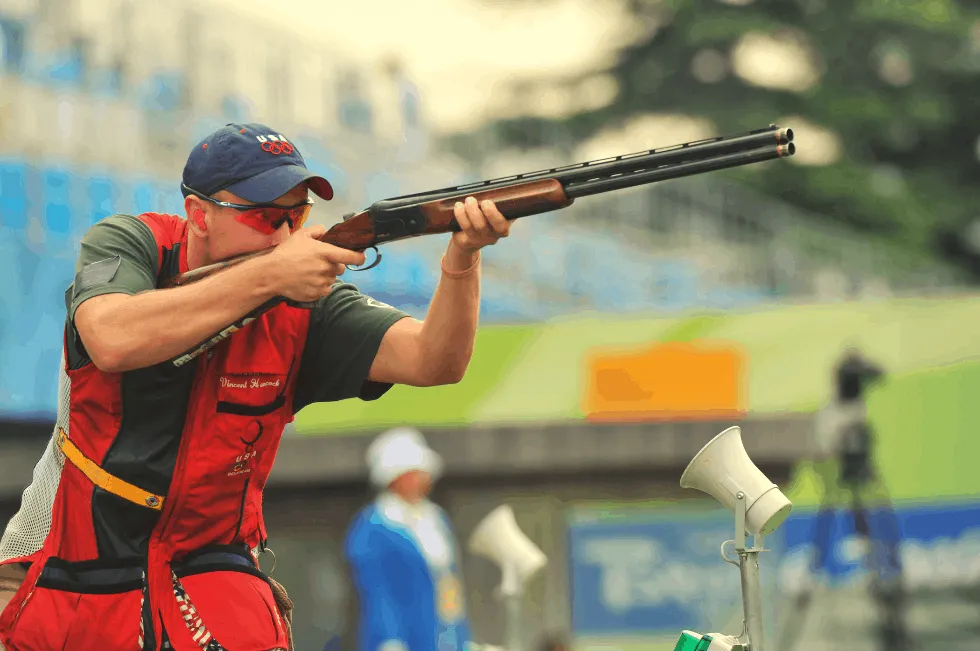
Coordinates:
<point>104,480</point>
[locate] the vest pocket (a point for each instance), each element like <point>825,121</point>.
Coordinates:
<point>251,394</point>
<point>82,606</point>
<point>241,409</point>
<point>225,597</point>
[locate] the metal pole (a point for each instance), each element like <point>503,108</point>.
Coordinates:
<point>514,633</point>
<point>748,569</point>
<point>752,598</point>
<point>513,594</point>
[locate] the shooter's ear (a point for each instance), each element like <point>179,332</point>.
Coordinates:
<point>196,214</point>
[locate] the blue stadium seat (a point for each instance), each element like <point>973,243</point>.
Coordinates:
<point>13,43</point>
<point>390,275</point>
<point>144,197</point>
<point>45,395</point>
<point>49,285</point>
<point>169,199</point>
<point>31,318</point>
<point>12,290</point>
<point>676,284</point>
<point>420,274</point>
<point>103,193</point>
<point>59,69</point>
<point>162,91</point>
<point>56,202</point>
<point>48,302</point>
<point>13,194</point>
<point>19,264</point>
<point>125,202</point>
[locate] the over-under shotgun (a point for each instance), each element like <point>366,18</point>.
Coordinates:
<point>533,193</point>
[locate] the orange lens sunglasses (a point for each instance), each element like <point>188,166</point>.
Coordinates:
<point>267,218</point>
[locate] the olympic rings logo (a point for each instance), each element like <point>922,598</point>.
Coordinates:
<point>277,147</point>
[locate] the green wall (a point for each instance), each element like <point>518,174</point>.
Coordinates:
<point>534,373</point>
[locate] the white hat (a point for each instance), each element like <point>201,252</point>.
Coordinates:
<point>398,451</point>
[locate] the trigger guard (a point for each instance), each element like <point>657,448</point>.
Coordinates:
<point>374,264</point>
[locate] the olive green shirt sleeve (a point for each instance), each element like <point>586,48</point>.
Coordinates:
<point>346,329</point>
<point>118,255</point>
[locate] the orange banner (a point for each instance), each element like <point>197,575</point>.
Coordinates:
<point>671,381</point>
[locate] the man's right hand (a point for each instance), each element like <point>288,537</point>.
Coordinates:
<point>305,268</point>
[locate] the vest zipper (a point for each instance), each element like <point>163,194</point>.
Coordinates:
<point>241,512</point>
<point>175,496</point>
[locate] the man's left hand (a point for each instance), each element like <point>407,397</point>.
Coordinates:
<point>481,223</point>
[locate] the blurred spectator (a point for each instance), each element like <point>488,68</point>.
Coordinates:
<point>13,34</point>
<point>355,110</point>
<point>414,146</point>
<point>403,554</point>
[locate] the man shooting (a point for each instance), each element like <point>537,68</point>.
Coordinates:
<point>143,524</point>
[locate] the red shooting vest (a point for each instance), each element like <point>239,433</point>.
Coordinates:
<point>204,436</point>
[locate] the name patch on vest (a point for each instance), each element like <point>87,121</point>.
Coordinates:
<point>248,382</point>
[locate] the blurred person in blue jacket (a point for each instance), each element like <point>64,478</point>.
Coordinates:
<point>403,554</point>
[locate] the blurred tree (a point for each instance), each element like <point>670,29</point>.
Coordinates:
<point>888,90</point>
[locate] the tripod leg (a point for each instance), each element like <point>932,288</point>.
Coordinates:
<point>823,545</point>
<point>888,535</point>
<point>796,618</point>
<point>884,562</point>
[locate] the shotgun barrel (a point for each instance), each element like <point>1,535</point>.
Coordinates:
<point>579,172</point>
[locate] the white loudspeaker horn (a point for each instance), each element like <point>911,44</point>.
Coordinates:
<point>499,539</point>
<point>722,469</point>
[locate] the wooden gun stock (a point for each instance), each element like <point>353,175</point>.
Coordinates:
<point>513,202</point>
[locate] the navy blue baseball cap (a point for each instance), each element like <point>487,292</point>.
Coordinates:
<point>252,161</point>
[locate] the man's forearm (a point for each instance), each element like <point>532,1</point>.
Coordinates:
<point>152,327</point>
<point>450,326</point>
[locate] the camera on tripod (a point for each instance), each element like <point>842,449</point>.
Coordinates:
<point>854,375</point>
